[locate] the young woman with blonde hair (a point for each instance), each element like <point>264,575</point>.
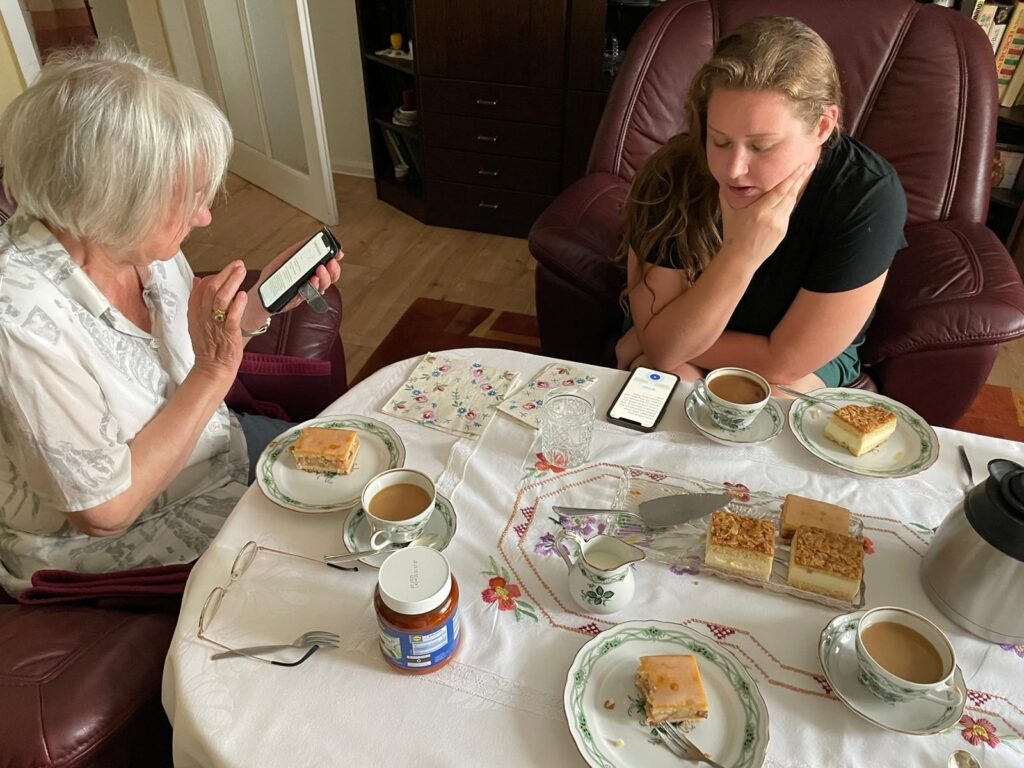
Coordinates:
<point>762,237</point>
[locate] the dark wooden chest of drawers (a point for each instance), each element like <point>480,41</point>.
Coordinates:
<point>492,80</point>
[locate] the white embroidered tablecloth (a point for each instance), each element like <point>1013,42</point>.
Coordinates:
<point>500,701</point>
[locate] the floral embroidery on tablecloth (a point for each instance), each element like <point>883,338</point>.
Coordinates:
<point>585,525</point>
<point>981,731</point>
<point>540,468</point>
<point>978,731</point>
<point>1017,649</point>
<point>503,593</point>
<point>691,567</point>
<point>738,491</point>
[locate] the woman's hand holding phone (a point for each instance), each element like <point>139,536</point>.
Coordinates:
<point>326,275</point>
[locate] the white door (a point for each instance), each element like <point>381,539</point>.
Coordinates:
<point>255,59</point>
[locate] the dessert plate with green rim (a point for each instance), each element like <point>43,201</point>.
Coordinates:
<point>765,427</point>
<point>613,735</point>
<point>838,656</point>
<point>356,533</point>
<point>912,448</point>
<point>285,484</point>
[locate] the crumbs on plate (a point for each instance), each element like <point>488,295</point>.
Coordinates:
<point>609,704</point>
<point>617,742</point>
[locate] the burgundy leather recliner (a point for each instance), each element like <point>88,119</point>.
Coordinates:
<point>920,90</point>
<point>80,686</point>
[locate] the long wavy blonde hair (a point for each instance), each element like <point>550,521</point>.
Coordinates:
<point>674,197</point>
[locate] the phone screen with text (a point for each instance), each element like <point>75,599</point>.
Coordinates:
<point>292,271</point>
<point>644,396</point>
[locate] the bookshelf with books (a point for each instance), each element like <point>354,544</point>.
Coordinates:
<point>1006,199</point>
<point>389,82</point>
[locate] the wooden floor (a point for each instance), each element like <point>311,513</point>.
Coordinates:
<point>391,259</point>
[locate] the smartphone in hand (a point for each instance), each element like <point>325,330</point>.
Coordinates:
<point>283,285</point>
<point>643,399</point>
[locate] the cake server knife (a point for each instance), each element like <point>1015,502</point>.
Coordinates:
<point>663,512</point>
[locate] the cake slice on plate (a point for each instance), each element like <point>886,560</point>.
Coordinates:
<point>672,689</point>
<point>740,544</point>
<point>321,449</point>
<point>859,428</point>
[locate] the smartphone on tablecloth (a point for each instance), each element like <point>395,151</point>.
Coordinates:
<point>286,281</point>
<point>643,399</point>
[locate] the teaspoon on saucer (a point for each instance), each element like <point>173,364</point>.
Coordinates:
<point>808,398</point>
<point>426,540</point>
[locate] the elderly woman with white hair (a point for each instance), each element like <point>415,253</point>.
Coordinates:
<point>116,448</point>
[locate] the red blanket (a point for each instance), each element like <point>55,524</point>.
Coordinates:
<point>152,589</point>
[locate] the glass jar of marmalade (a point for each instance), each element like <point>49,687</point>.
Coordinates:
<point>417,605</point>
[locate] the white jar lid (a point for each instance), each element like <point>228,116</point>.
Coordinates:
<point>414,580</point>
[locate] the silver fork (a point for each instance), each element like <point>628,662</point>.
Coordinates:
<point>680,746</point>
<point>319,637</point>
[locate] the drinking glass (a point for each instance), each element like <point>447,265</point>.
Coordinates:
<point>567,425</point>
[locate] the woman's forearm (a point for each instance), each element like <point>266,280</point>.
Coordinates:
<point>744,350</point>
<point>693,321</point>
<point>159,452</point>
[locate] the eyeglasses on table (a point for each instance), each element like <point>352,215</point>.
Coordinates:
<point>241,564</point>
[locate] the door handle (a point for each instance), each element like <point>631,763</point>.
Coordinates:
<point>485,172</point>
<point>487,102</point>
<point>492,206</point>
<point>482,137</point>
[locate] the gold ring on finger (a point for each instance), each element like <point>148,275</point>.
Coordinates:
<point>218,315</point>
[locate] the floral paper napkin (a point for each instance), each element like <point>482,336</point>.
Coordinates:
<point>527,403</point>
<point>451,395</point>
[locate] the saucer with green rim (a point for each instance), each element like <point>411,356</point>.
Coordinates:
<point>356,533</point>
<point>838,657</point>
<point>767,426</point>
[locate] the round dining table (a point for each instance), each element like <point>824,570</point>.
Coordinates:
<point>511,694</point>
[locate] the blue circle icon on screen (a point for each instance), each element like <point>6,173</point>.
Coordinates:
<point>655,377</point>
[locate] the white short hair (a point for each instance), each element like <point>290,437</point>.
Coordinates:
<point>106,147</point>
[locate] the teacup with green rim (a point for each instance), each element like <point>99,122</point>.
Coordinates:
<point>406,522</point>
<point>894,688</point>
<point>733,396</point>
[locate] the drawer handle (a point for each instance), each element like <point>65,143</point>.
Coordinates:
<point>482,137</point>
<point>487,102</point>
<point>492,206</point>
<point>485,172</point>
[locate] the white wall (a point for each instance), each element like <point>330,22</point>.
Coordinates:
<point>339,67</point>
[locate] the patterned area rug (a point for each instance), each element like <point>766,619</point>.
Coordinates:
<point>998,412</point>
<point>431,325</point>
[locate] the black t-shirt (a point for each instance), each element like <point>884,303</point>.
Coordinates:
<point>843,233</point>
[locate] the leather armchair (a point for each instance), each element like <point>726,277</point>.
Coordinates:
<point>920,90</point>
<point>80,686</point>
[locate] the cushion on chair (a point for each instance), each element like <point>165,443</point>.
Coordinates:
<point>81,687</point>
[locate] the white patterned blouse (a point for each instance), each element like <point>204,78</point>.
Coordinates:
<point>78,381</point>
